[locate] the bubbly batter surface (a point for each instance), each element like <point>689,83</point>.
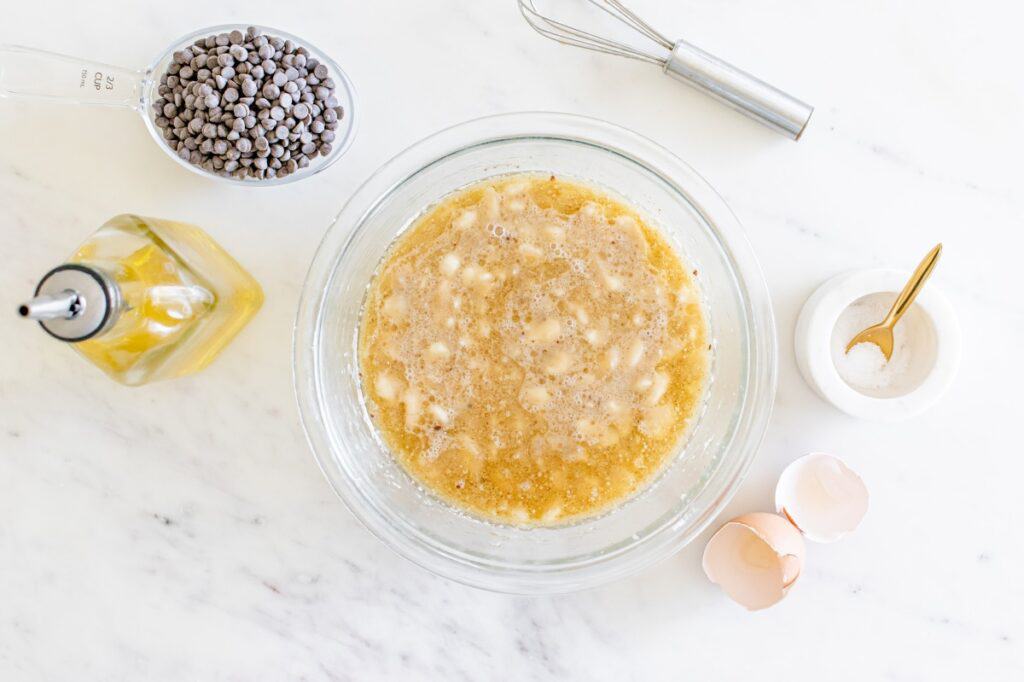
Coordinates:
<point>532,350</point>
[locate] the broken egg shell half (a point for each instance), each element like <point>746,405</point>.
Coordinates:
<point>755,558</point>
<point>822,497</point>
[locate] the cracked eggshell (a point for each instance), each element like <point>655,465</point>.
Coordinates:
<point>822,497</point>
<point>755,559</point>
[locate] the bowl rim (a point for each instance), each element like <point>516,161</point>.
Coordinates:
<point>761,370</point>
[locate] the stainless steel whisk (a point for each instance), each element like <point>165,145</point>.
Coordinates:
<point>681,60</point>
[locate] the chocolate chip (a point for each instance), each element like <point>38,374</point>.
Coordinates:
<point>247,105</point>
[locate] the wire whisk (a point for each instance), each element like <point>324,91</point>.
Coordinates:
<point>569,35</point>
<point>740,90</point>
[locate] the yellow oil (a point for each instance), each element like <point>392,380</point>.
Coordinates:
<point>184,298</point>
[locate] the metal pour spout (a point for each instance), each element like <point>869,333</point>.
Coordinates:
<point>64,305</point>
<point>74,302</point>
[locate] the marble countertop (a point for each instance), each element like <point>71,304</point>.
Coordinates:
<point>182,531</point>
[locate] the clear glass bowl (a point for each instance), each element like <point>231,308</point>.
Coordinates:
<point>692,488</point>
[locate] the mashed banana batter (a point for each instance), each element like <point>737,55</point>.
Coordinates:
<point>532,350</point>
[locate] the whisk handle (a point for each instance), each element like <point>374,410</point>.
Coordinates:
<point>738,89</point>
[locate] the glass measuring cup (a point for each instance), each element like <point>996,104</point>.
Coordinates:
<point>28,73</point>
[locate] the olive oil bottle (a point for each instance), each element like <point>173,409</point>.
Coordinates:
<point>146,299</point>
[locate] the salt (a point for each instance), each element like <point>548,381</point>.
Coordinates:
<point>865,368</point>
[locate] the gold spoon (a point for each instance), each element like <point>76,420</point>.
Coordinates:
<point>881,333</point>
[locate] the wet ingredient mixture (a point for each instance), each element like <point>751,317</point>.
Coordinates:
<point>532,350</point>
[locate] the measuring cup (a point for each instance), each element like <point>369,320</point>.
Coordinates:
<point>28,73</point>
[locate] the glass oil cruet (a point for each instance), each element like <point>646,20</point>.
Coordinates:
<point>146,299</point>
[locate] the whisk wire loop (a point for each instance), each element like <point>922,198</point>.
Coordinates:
<point>570,35</point>
<point>627,16</point>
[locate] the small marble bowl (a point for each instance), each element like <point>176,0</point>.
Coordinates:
<point>935,343</point>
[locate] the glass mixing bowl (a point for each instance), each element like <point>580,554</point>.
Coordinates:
<point>704,472</point>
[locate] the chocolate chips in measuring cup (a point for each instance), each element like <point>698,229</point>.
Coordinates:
<point>247,105</point>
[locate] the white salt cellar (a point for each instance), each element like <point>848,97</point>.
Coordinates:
<point>926,350</point>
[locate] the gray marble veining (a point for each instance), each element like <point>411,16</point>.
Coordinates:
<point>182,531</point>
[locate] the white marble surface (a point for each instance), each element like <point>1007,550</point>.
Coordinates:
<point>182,531</point>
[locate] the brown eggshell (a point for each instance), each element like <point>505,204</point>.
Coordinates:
<point>755,558</point>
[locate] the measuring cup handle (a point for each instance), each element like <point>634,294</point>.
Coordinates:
<point>27,73</point>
